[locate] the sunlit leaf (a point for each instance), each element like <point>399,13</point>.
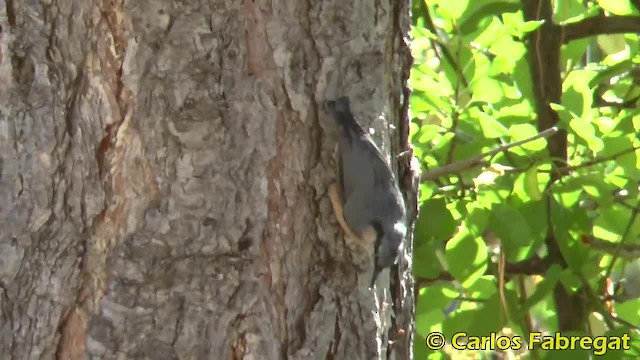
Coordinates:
<point>455,9</point>
<point>491,128</point>
<point>612,222</point>
<point>526,131</point>
<point>466,257</point>
<point>586,131</point>
<point>530,26</point>
<point>616,7</point>
<point>486,89</point>
<point>569,10</point>
<point>485,12</point>
<point>531,184</point>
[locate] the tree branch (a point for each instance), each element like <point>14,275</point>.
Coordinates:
<point>619,249</point>
<point>532,266</point>
<point>543,53</point>
<point>467,164</point>
<point>600,25</point>
<point>597,160</point>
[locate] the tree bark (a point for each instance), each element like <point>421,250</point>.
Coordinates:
<point>163,177</point>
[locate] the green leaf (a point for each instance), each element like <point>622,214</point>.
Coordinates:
<point>616,7</point>
<point>434,221</point>
<point>491,128</point>
<point>575,50</point>
<point>614,146</point>
<point>502,64</point>
<point>431,302</point>
<point>466,257</point>
<point>464,60</point>
<point>507,47</point>
<point>522,78</point>
<point>522,111</point>
<point>569,192</point>
<point>419,105</point>
<point>568,226</point>
<point>510,91</point>
<point>436,296</point>
<point>426,191</point>
<point>458,321</point>
<point>556,107</point>
<point>477,219</point>
<point>483,288</point>
<point>585,130</point>
<point>486,12</point>
<point>486,319</point>
<point>428,133</point>
<point>629,310</point>
<point>569,11</point>
<point>535,213</point>
<point>525,131</point>
<point>425,261</point>
<point>604,76</point>
<point>487,90</point>
<point>597,188</point>
<point>577,96</point>
<point>512,229</point>
<point>612,222</point>
<point>512,20</point>
<point>494,30</point>
<point>454,9</point>
<point>531,184</point>
<point>419,349</point>
<point>530,26</point>
<point>544,288</point>
<point>633,341</point>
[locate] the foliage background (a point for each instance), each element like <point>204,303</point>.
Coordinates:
<point>541,237</point>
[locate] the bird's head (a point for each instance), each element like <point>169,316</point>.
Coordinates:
<point>387,245</point>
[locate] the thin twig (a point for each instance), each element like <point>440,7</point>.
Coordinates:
<point>625,323</point>
<point>531,266</point>
<point>502,261</point>
<point>467,164</point>
<point>595,301</point>
<point>625,236</point>
<point>625,251</point>
<point>567,169</point>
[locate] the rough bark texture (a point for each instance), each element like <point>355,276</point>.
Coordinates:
<point>163,176</point>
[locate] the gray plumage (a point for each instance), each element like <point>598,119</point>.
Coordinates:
<point>369,189</point>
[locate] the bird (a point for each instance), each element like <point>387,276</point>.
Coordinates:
<point>366,198</point>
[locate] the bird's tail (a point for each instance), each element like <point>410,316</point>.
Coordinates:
<point>341,112</point>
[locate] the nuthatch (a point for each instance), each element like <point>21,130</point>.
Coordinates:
<point>367,202</point>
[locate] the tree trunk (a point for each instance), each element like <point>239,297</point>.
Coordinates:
<point>163,177</point>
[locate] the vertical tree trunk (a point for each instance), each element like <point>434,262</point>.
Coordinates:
<point>163,178</point>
